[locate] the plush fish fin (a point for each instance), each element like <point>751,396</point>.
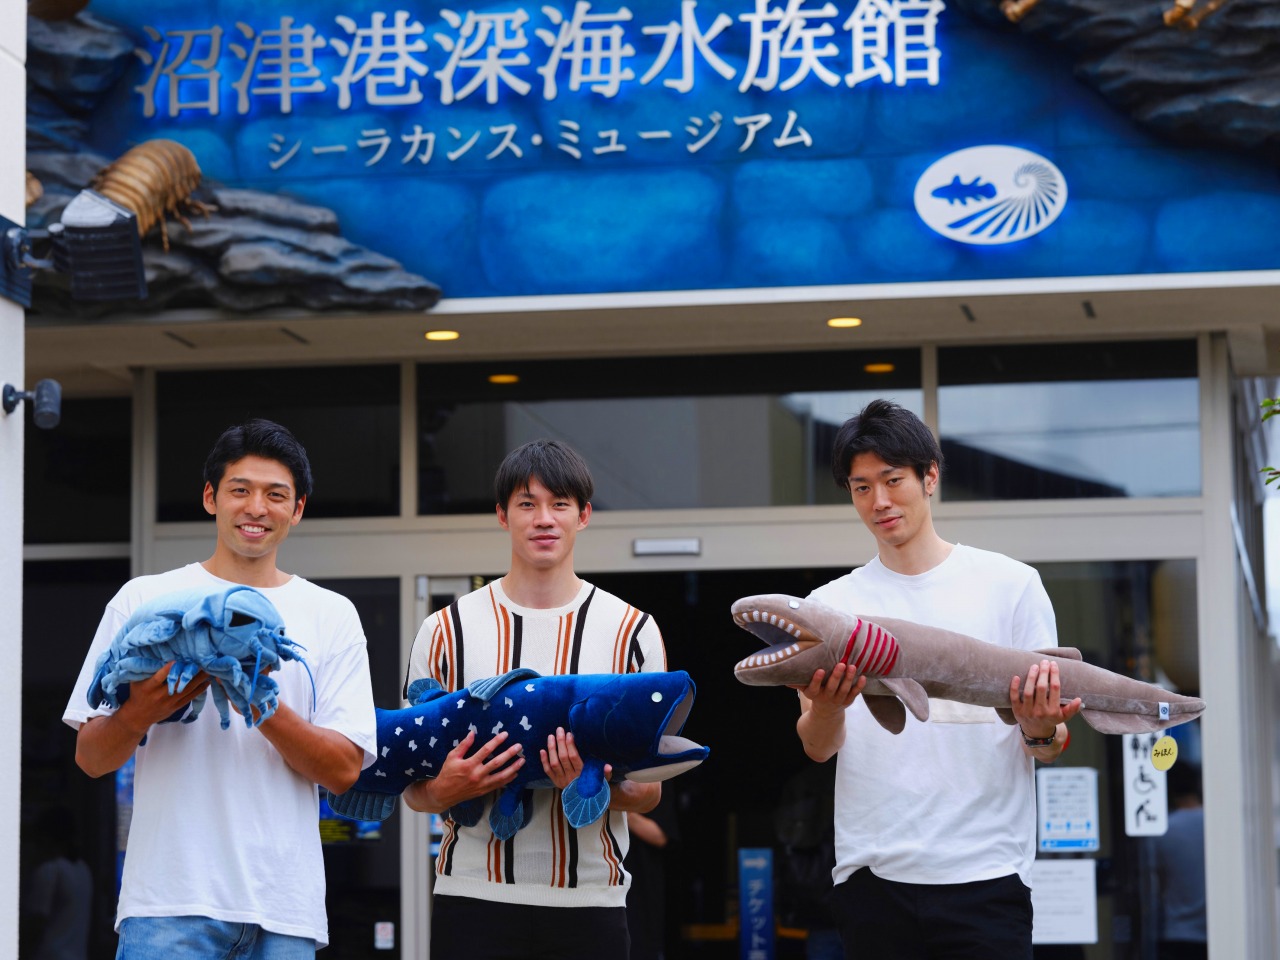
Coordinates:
<point>911,694</point>
<point>510,812</point>
<point>423,689</point>
<point>361,805</point>
<point>1006,714</point>
<point>888,711</point>
<point>587,797</point>
<point>487,689</point>
<point>1062,653</point>
<point>468,812</point>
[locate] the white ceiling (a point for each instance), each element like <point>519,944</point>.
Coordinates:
<point>96,357</point>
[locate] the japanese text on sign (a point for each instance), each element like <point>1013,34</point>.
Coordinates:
<point>389,60</point>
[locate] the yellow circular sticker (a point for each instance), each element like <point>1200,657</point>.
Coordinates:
<point>1164,753</point>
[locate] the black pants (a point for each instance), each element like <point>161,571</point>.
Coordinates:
<point>883,920</point>
<point>464,928</point>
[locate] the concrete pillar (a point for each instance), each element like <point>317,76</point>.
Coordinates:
<point>13,147</point>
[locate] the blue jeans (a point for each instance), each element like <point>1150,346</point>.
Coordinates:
<point>199,938</point>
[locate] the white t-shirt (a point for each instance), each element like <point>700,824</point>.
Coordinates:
<point>951,800</point>
<point>222,827</point>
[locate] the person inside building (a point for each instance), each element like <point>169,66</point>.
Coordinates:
<point>57,899</point>
<point>224,856</point>
<point>652,836</point>
<point>1179,866</point>
<point>551,890</point>
<point>935,826</point>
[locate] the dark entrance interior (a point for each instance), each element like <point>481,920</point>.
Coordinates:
<point>756,764</point>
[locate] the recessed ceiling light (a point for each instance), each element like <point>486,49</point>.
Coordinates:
<point>879,368</point>
<point>503,378</point>
<point>442,334</point>
<point>844,322</point>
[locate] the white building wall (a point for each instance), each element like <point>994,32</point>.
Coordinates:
<point>13,92</point>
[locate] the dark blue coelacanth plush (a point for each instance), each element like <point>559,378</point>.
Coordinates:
<point>630,721</point>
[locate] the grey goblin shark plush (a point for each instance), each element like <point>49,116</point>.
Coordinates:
<point>907,663</point>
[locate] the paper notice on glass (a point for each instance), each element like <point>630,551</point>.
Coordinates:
<point>1065,899</point>
<point>1067,808</point>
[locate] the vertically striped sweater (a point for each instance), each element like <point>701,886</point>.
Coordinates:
<point>484,634</point>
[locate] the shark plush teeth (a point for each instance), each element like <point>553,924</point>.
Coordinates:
<point>630,721</point>
<point>907,664</point>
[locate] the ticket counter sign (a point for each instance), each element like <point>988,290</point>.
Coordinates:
<point>755,903</point>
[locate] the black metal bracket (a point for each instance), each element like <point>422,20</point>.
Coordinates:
<point>15,274</point>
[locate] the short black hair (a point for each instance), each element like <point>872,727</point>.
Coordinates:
<point>259,438</point>
<point>893,433</point>
<point>557,466</point>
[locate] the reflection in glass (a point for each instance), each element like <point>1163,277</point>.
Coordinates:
<point>348,418</point>
<point>78,478</point>
<point>1070,420</point>
<point>659,433</point>
<point>1138,618</point>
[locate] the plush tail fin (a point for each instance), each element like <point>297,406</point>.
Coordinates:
<point>362,805</point>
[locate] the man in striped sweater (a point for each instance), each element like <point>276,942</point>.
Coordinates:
<point>551,890</point>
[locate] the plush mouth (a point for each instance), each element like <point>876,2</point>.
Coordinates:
<point>670,743</point>
<point>784,638</point>
<point>675,754</point>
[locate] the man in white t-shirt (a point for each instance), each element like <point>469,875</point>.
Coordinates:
<point>224,856</point>
<point>935,826</point>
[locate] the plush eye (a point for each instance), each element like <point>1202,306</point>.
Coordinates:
<point>793,604</point>
<point>656,697</point>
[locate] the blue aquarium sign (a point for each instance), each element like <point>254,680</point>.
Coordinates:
<point>520,148</point>
<point>392,59</point>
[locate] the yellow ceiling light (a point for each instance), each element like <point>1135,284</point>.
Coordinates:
<point>503,378</point>
<point>843,323</point>
<point>879,368</point>
<point>442,334</point>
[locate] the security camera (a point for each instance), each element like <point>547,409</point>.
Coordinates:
<point>46,402</point>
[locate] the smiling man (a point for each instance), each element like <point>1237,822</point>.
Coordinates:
<point>551,890</point>
<point>935,826</point>
<point>224,854</point>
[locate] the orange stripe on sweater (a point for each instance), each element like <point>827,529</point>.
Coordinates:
<point>495,860</point>
<point>607,849</point>
<point>437,656</point>
<point>502,628</point>
<point>449,649</point>
<point>564,643</point>
<point>620,649</point>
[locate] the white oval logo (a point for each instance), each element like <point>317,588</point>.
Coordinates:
<point>990,194</point>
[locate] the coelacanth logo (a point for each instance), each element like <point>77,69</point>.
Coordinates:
<point>990,194</point>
